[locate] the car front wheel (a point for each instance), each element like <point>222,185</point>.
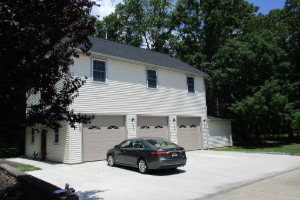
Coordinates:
<point>110,160</point>
<point>142,165</point>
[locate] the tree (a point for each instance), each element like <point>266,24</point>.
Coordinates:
<point>203,27</point>
<point>143,23</point>
<point>296,123</point>
<point>38,40</point>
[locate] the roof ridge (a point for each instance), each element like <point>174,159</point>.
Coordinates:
<point>135,53</point>
<point>137,47</point>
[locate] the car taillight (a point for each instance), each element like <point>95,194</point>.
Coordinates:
<point>182,150</point>
<point>157,153</point>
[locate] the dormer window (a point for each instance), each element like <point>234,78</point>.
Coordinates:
<point>99,71</point>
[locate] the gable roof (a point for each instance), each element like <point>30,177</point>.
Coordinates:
<point>219,118</point>
<point>116,49</point>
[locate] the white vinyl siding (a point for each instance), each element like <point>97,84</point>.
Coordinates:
<point>125,91</point>
<point>125,94</point>
<point>55,152</point>
<point>219,133</point>
<point>152,82</point>
<point>99,71</point>
<point>35,147</point>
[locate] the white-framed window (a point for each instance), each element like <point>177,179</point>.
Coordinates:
<point>152,79</point>
<point>190,84</point>
<point>56,136</point>
<point>32,136</point>
<point>99,71</point>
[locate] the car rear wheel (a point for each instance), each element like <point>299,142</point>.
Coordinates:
<point>142,165</point>
<point>110,160</point>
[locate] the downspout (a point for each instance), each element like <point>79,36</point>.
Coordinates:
<point>206,119</point>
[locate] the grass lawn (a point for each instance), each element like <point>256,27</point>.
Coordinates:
<point>26,168</point>
<point>279,147</point>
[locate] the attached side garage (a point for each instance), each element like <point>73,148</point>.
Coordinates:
<point>150,126</point>
<point>189,132</point>
<point>219,132</point>
<point>102,134</point>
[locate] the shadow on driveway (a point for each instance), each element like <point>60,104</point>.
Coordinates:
<point>11,163</point>
<point>156,172</point>
<point>91,194</point>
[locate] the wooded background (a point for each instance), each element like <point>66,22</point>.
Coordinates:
<point>253,60</point>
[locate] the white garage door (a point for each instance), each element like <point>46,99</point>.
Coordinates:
<point>188,132</point>
<point>152,127</point>
<point>102,134</point>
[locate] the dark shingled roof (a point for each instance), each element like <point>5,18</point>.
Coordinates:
<point>116,49</point>
<point>219,118</point>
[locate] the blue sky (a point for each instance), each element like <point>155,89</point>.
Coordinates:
<point>108,6</point>
<point>267,5</point>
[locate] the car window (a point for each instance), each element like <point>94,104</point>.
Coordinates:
<point>161,143</point>
<point>137,144</point>
<point>126,144</point>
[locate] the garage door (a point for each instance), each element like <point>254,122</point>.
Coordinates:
<point>102,134</point>
<point>152,127</point>
<point>188,132</point>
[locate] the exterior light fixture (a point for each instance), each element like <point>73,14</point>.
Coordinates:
<point>132,119</point>
<point>174,120</point>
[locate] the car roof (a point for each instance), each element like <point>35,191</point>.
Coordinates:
<point>147,138</point>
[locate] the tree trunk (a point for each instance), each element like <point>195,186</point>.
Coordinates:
<point>22,132</point>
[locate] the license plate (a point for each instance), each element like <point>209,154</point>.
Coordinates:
<point>174,154</point>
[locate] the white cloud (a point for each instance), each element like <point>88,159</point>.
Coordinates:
<point>107,7</point>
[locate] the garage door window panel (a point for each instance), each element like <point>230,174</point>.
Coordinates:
<point>145,127</point>
<point>94,127</point>
<point>113,127</point>
<point>157,127</point>
<point>182,126</point>
<point>193,126</point>
<point>99,71</point>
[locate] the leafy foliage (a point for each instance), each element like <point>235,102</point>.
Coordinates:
<point>143,23</point>
<point>38,40</point>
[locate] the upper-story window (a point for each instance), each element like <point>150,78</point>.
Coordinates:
<point>152,78</point>
<point>56,136</point>
<point>32,135</point>
<point>190,84</point>
<point>99,71</point>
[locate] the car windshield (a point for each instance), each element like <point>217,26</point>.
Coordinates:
<point>161,143</point>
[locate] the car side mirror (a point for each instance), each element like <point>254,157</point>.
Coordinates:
<point>117,146</point>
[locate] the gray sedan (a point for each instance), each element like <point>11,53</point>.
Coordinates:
<point>147,153</point>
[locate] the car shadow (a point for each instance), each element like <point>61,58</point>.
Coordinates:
<point>154,172</point>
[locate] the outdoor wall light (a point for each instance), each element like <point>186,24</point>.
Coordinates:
<point>174,120</point>
<point>132,119</point>
<point>37,130</point>
<point>204,120</point>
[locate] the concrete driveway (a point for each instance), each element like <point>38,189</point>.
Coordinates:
<point>206,175</point>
